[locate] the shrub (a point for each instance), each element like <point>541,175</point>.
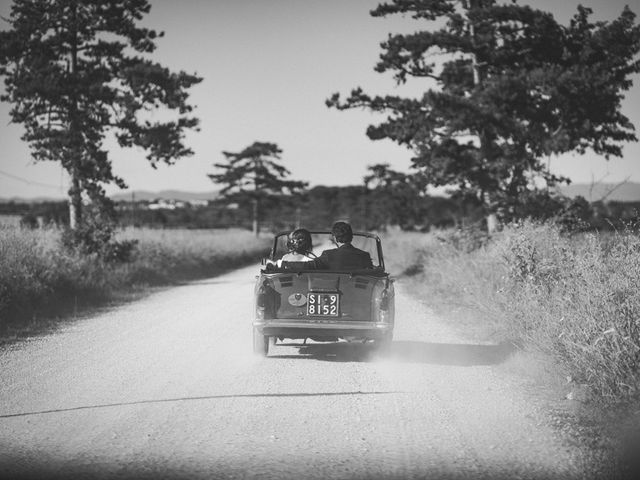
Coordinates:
<point>29,220</point>
<point>574,296</point>
<point>578,298</point>
<point>572,214</point>
<point>35,272</point>
<point>38,270</point>
<point>465,239</point>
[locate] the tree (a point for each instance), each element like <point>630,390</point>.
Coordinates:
<point>73,74</point>
<point>255,175</point>
<point>396,196</point>
<point>510,87</point>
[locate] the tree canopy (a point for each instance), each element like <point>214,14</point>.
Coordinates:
<point>76,70</point>
<point>255,175</point>
<point>395,196</point>
<point>509,86</point>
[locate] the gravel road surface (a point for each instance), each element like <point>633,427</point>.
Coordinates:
<point>167,387</point>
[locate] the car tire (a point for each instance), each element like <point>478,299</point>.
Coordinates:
<point>260,343</point>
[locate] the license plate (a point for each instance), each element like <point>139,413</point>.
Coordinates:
<point>323,304</point>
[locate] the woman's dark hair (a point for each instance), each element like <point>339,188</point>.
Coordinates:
<point>299,241</point>
<point>342,232</point>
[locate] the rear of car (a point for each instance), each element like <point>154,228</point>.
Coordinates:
<point>324,305</point>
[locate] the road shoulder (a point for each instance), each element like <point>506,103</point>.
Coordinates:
<point>561,404</point>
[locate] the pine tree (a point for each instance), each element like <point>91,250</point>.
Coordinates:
<point>254,175</point>
<point>76,70</point>
<point>510,87</point>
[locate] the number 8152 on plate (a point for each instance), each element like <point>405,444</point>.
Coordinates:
<point>323,304</point>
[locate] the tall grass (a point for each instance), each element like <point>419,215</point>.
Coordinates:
<point>576,298</point>
<point>164,256</point>
<point>38,276</point>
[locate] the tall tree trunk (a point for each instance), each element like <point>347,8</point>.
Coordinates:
<point>491,218</point>
<point>75,191</point>
<point>75,201</point>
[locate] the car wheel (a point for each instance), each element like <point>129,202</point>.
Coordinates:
<point>260,343</point>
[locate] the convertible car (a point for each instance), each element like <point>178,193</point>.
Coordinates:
<point>322,305</point>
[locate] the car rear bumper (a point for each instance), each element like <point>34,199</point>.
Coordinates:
<point>310,328</point>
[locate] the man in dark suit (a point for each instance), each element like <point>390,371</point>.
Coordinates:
<point>345,257</point>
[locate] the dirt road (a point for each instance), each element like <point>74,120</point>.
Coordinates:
<point>167,387</point>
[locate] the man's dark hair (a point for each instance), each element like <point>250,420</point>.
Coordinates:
<point>342,232</point>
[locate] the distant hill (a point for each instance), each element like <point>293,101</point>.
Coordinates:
<point>139,195</point>
<point>143,195</point>
<point>32,199</point>
<point>626,192</point>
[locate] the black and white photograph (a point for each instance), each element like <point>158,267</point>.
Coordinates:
<point>319,239</point>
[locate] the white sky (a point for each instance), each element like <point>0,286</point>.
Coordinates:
<point>268,66</point>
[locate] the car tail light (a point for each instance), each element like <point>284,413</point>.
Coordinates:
<point>385,314</point>
<point>384,300</point>
<point>381,302</point>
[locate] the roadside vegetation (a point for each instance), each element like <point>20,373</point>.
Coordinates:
<point>40,277</point>
<point>574,297</point>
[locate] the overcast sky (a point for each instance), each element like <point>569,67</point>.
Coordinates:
<point>268,66</point>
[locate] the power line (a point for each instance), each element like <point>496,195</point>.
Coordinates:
<point>29,182</point>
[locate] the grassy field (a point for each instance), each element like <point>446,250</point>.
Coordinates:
<point>574,298</point>
<point>39,279</point>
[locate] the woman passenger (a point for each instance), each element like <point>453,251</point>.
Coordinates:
<point>299,245</point>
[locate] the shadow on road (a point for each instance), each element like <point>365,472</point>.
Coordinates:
<point>336,352</point>
<point>200,398</point>
<point>464,355</point>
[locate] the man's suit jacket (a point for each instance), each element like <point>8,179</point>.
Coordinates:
<point>345,257</point>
